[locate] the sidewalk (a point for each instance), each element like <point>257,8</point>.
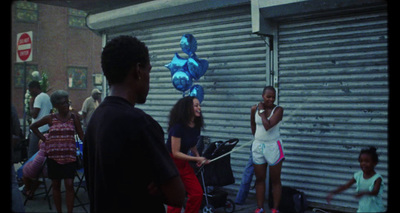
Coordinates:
<point>40,204</point>
<point>249,207</point>
<point>81,203</point>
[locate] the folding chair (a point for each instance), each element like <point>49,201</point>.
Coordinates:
<point>81,183</point>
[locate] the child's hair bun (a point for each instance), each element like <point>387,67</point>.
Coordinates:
<point>372,152</point>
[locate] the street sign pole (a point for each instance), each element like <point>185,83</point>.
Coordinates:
<point>23,99</point>
<point>24,54</point>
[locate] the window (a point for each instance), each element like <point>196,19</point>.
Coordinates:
<point>76,18</point>
<point>26,11</point>
<point>19,74</point>
<point>77,77</point>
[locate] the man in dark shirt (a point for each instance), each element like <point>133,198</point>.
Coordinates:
<point>127,165</point>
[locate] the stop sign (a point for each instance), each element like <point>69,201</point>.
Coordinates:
<point>24,46</point>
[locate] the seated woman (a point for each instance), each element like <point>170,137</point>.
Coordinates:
<point>32,169</point>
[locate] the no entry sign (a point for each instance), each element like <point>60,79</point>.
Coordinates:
<point>24,46</point>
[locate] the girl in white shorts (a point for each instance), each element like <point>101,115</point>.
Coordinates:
<point>270,152</point>
<point>267,147</point>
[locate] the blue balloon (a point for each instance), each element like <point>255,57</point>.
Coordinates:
<point>181,81</point>
<point>177,63</point>
<point>198,92</point>
<point>188,44</point>
<point>197,67</point>
<point>204,66</point>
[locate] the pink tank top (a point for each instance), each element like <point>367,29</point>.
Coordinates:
<point>60,143</point>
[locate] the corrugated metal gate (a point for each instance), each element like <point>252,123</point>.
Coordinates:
<point>233,82</point>
<point>333,83</point>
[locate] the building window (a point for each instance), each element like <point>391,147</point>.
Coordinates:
<point>19,74</point>
<point>97,79</point>
<point>26,11</point>
<point>76,18</point>
<point>77,77</point>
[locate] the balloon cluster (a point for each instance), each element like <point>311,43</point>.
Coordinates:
<point>184,70</point>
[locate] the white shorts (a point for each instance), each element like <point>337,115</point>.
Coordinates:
<point>270,152</point>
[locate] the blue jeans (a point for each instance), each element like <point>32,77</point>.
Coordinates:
<point>246,181</point>
<point>17,203</point>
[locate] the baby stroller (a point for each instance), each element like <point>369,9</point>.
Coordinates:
<point>217,173</point>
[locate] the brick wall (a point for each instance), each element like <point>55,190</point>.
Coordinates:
<point>57,46</point>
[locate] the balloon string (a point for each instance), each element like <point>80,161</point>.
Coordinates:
<point>243,145</point>
<point>233,150</point>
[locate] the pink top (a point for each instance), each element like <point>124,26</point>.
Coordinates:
<point>60,143</point>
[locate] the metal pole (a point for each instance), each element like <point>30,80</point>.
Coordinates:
<point>23,99</point>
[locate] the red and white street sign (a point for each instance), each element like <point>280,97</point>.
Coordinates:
<point>24,46</point>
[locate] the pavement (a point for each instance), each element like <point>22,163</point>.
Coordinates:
<point>40,203</point>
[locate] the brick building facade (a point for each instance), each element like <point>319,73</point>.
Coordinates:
<point>63,47</point>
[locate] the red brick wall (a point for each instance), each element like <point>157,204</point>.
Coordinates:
<point>57,46</point>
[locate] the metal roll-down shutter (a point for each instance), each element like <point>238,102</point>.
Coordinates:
<point>333,84</point>
<point>233,82</point>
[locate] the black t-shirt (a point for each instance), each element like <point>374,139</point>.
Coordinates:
<point>188,136</point>
<point>124,152</point>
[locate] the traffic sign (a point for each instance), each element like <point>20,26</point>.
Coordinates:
<point>24,46</point>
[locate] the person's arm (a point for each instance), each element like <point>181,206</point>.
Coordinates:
<point>176,147</point>
<point>275,118</point>
<point>195,151</point>
<point>340,189</point>
<point>253,119</point>
<point>32,110</point>
<point>167,185</point>
<point>84,109</point>
<point>78,127</point>
<point>173,192</point>
<point>375,190</point>
<point>35,126</point>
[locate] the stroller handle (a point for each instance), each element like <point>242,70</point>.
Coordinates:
<point>233,140</point>
<point>221,149</point>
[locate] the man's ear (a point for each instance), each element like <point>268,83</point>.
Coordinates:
<point>136,71</point>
